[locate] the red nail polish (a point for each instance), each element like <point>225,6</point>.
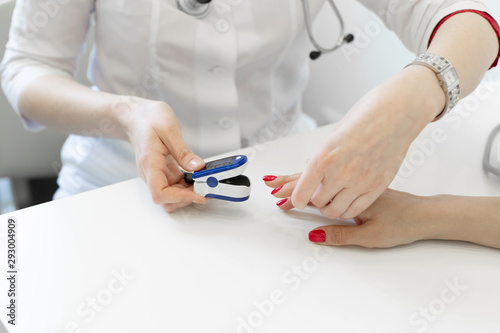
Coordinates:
<point>281,202</point>
<point>269,178</point>
<point>317,236</point>
<point>276,190</point>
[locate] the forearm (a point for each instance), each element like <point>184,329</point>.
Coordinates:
<point>471,219</point>
<point>62,103</point>
<point>469,42</point>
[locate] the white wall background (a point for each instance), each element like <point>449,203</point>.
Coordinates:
<point>23,153</point>
<point>339,79</point>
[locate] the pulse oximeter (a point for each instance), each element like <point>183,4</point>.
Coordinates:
<point>222,179</point>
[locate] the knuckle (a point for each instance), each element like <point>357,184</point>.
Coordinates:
<point>317,202</point>
<point>354,211</point>
<point>183,153</point>
<point>141,160</point>
<point>163,108</point>
<point>326,158</point>
<point>330,211</point>
<point>321,163</point>
<point>348,216</point>
<point>297,198</point>
<point>156,197</point>
<point>169,210</point>
<point>170,127</point>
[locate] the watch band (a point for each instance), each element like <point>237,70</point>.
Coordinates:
<point>447,76</point>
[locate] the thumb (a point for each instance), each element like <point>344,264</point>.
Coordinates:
<point>184,156</point>
<point>187,159</point>
<point>338,235</point>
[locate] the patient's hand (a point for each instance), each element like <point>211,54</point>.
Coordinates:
<point>395,218</point>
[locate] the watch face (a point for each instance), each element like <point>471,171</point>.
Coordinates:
<point>450,77</point>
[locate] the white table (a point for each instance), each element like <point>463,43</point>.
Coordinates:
<point>111,261</point>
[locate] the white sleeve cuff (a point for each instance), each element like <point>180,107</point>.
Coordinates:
<point>474,5</point>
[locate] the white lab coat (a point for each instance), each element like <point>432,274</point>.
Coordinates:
<point>233,78</point>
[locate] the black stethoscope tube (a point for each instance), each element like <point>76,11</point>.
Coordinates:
<point>200,8</point>
<point>342,37</point>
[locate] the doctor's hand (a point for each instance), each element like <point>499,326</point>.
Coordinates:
<point>360,158</point>
<point>155,133</point>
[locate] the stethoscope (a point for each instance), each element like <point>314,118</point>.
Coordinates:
<point>200,8</point>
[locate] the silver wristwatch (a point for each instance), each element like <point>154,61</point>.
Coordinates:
<point>447,76</point>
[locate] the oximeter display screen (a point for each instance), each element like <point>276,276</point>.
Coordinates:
<point>220,163</point>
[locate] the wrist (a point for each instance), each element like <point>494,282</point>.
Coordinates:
<point>122,111</point>
<point>426,212</point>
<point>442,218</point>
<point>428,98</point>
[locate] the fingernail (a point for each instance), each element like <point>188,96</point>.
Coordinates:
<point>317,236</point>
<point>276,190</point>
<point>195,164</point>
<point>281,202</point>
<point>269,178</point>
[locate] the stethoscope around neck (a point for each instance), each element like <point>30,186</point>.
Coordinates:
<point>200,8</point>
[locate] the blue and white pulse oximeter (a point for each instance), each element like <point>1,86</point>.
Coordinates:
<point>222,179</point>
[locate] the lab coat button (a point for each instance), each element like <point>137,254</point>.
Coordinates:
<point>222,26</point>
<point>218,70</point>
<point>244,143</point>
<point>225,123</point>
